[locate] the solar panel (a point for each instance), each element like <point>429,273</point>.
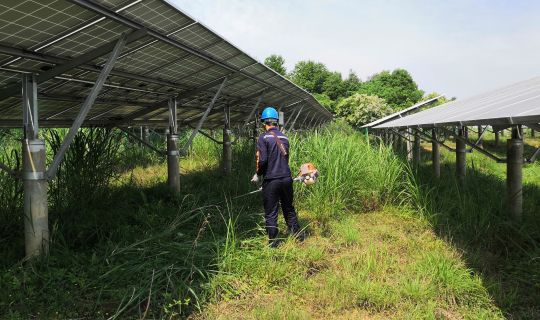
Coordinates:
<point>518,103</point>
<point>177,56</point>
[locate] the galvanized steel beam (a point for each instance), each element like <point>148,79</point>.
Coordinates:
<point>435,154</point>
<point>227,144</point>
<point>87,105</point>
<point>143,142</point>
<point>514,174</point>
<point>205,115</point>
<point>461,154</point>
<point>173,155</point>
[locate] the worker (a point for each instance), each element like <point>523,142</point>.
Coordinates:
<point>277,185</point>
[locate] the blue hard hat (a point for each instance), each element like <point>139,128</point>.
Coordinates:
<point>269,113</point>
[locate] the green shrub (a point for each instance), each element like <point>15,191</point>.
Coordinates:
<point>360,109</point>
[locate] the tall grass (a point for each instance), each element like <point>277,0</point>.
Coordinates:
<point>10,190</point>
<point>92,161</point>
<point>356,176</point>
<point>140,252</point>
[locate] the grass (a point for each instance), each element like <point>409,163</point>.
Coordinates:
<point>377,265</point>
<point>473,218</point>
<point>385,241</point>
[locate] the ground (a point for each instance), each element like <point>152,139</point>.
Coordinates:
<point>379,265</point>
<point>385,241</point>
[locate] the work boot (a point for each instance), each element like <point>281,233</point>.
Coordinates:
<point>274,243</point>
<point>298,235</point>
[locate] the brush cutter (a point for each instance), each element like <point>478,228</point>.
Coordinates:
<point>308,174</point>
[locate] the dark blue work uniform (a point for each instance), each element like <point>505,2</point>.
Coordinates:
<point>277,183</point>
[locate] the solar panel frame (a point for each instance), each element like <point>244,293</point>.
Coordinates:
<point>177,46</point>
<point>518,103</point>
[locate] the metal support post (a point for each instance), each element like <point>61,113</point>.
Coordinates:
<point>227,144</point>
<point>435,154</point>
<point>409,145</point>
<point>480,136</point>
<point>36,216</point>
<point>514,174</point>
<point>532,133</point>
<point>295,118</point>
<point>173,166</point>
<point>146,135</point>
<point>497,139</point>
<point>416,149</point>
<point>461,153</point>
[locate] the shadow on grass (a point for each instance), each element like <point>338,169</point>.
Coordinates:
<point>130,250</point>
<point>474,218</point>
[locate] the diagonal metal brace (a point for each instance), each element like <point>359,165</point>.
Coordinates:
<point>481,135</point>
<point>295,118</point>
<point>206,135</point>
<point>475,147</point>
<point>11,172</point>
<point>85,108</point>
<point>401,135</point>
<point>255,107</point>
<point>533,157</point>
<point>147,144</point>
<point>203,118</point>
<point>430,139</point>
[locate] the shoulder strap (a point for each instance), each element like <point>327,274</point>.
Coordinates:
<point>281,147</point>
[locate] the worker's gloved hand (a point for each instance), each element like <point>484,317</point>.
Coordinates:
<point>256,178</point>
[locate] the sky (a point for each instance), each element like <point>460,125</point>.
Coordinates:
<point>458,48</point>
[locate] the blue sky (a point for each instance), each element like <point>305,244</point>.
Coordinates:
<point>459,48</point>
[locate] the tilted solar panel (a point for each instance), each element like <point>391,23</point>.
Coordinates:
<point>175,56</point>
<point>515,104</point>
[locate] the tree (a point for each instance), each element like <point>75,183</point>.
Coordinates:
<point>397,88</point>
<point>325,101</point>
<point>333,86</point>
<point>360,109</point>
<point>310,75</point>
<point>441,100</point>
<point>351,84</point>
<point>276,63</point>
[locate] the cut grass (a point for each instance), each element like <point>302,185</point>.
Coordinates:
<point>377,265</point>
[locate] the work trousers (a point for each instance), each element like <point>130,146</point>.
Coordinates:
<point>276,191</point>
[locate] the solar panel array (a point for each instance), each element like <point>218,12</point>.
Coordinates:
<point>515,104</point>
<point>177,57</point>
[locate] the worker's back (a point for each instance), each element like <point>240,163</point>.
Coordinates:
<point>273,159</point>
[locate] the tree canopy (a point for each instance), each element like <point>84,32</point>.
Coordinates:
<point>441,100</point>
<point>333,86</point>
<point>276,63</point>
<point>310,75</point>
<point>397,88</point>
<point>356,101</point>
